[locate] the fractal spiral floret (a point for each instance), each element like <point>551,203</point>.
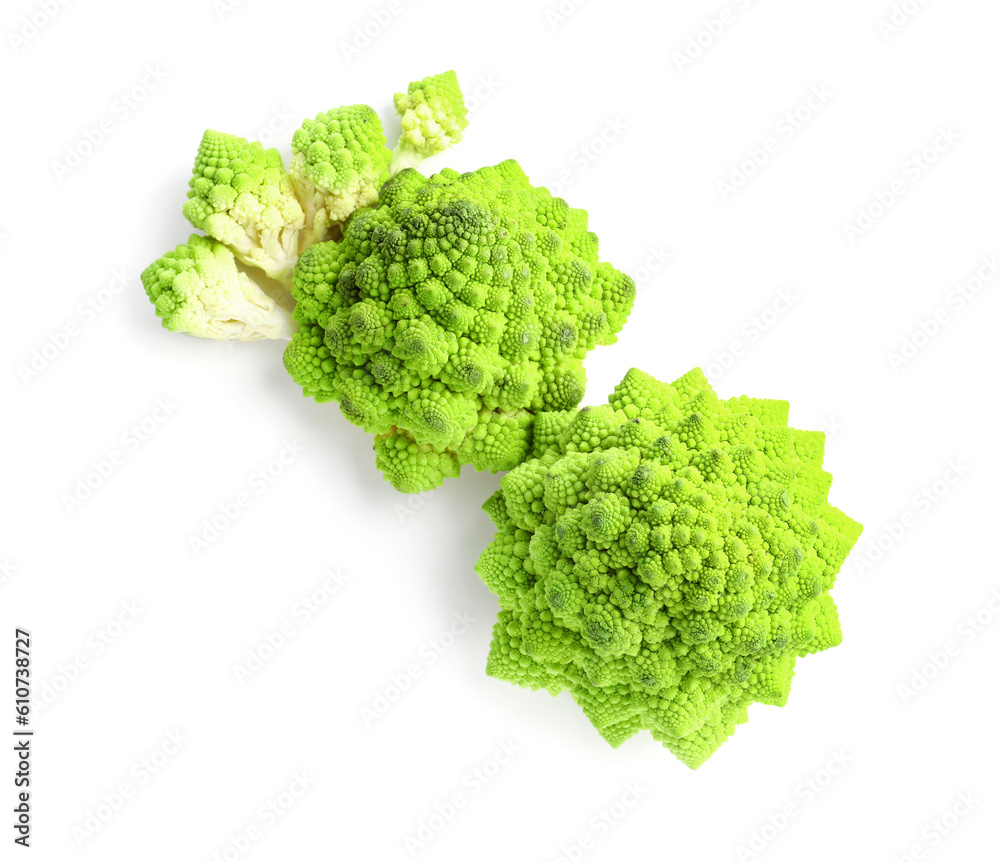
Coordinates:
<point>449,314</point>
<point>666,558</point>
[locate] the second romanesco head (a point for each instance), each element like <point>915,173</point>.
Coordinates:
<point>666,558</point>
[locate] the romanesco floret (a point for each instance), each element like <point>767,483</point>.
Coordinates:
<point>241,195</point>
<point>451,313</point>
<point>665,558</point>
<point>433,116</point>
<point>339,161</point>
<point>198,289</point>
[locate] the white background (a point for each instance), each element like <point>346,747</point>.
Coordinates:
<point>911,445</point>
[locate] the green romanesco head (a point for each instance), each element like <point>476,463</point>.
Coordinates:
<point>198,289</point>
<point>339,161</point>
<point>451,313</point>
<point>241,195</point>
<point>433,116</point>
<point>665,558</point>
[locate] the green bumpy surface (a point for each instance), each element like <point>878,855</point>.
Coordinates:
<point>449,315</point>
<point>665,558</point>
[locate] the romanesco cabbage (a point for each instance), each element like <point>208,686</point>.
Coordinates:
<point>665,558</point>
<point>449,314</point>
